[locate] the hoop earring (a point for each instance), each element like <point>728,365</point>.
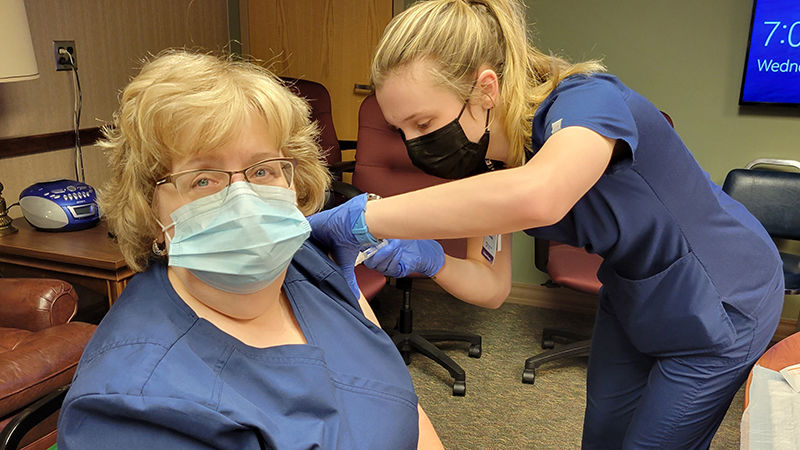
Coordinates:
<point>159,248</point>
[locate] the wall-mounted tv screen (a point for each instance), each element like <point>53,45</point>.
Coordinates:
<point>772,68</point>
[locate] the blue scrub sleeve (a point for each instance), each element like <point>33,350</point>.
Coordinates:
<point>596,104</point>
<point>134,422</point>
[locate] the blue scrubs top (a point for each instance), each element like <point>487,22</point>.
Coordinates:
<point>678,252</point>
<point>155,375</point>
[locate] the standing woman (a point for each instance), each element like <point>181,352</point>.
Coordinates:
<point>692,284</point>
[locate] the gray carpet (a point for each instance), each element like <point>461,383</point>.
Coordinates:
<point>499,411</point>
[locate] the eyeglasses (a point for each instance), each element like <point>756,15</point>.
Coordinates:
<point>195,184</point>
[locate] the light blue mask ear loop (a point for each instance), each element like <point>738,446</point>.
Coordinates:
<point>157,250</point>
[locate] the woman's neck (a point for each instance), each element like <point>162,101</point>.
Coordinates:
<point>271,322</point>
<point>498,142</point>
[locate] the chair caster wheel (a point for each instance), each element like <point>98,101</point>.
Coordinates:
<point>528,376</point>
<point>475,351</point>
<point>459,388</point>
<point>548,343</point>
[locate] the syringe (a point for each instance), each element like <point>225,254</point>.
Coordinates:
<point>365,254</point>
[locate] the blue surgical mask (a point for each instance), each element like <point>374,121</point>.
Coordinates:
<point>240,239</point>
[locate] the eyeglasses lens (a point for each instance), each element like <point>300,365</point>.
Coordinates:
<point>271,173</point>
<point>202,183</point>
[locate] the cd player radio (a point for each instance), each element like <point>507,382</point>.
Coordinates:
<point>62,205</point>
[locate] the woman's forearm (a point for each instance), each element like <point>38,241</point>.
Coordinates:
<point>537,194</point>
<point>477,206</point>
<point>428,439</point>
<point>476,281</point>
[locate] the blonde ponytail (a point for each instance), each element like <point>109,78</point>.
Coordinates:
<point>459,36</point>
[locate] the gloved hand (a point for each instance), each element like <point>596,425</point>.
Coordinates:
<point>400,257</point>
<point>333,230</point>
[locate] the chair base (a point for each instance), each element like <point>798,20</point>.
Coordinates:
<point>580,346</point>
<point>422,342</point>
<point>408,341</point>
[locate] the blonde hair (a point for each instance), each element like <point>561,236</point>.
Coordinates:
<point>183,104</point>
<point>459,36</point>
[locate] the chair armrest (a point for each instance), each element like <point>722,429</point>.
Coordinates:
<point>346,190</point>
<point>339,193</point>
<point>345,144</point>
<point>12,434</point>
<point>541,248</point>
<point>773,162</point>
<point>33,364</point>
<point>338,168</point>
<point>33,304</point>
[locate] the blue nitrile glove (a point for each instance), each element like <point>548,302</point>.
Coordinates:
<point>341,230</point>
<point>400,257</point>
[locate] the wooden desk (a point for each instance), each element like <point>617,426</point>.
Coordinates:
<point>87,257</point>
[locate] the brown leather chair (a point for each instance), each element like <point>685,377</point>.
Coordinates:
<point>39,350</point>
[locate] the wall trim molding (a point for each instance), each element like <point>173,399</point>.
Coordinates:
<point>786,328</point>
<point>563,299</point>
<point>28,145</point>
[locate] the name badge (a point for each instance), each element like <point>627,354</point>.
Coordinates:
<point>491,245</point>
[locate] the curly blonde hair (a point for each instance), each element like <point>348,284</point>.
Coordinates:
<point>182,104</point>
<point>459,36</point>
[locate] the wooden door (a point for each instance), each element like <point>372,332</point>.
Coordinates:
<point>328,41</point>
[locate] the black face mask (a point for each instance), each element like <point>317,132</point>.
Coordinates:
<point>448,153</point>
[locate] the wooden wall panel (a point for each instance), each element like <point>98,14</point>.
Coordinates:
<point>328,41</point>
<point>111,38</point>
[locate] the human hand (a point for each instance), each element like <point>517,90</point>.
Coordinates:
<point>333,230</point>
<point>400,257</point>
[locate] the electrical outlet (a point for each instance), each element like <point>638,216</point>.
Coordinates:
<point>62,60</point>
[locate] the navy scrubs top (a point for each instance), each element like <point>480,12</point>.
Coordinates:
<point>678,252</point>
<point>157,376</point>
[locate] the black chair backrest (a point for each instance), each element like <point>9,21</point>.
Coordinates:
<point>773,197</point>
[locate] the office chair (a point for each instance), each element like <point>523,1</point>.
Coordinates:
<point>573,268</point>
<point>773,197</point>
<point>319,99</point>
<point>384,168</point>
<point>369,281</point>
<point>570,267</point>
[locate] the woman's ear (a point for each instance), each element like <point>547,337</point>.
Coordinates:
<point>489,84</point>
<point>154,209</point>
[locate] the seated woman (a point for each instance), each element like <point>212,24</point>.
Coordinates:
<point>237,333</point>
